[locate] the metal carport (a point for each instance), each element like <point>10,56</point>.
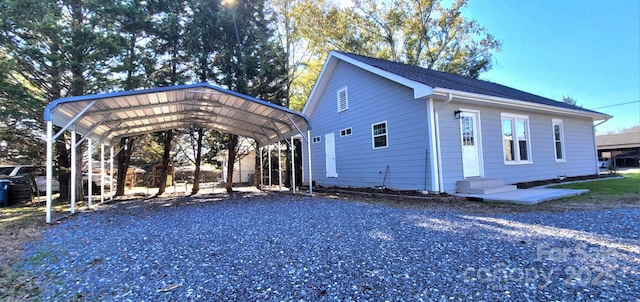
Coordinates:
<point>107,117</point>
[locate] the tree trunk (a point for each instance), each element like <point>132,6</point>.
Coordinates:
<point>287,163</point>
<point>124,159</point>
<point>64,164</point>
<point>196,173</point>
<point>231,147</point>
<point>297,151</point>
<point>122,170</point>
<point>168,136</point>
<point>79,188</point>
<point>78,81</point>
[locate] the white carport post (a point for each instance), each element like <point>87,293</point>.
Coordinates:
<point>73,170</point>
<point>101,172</point>
<point>90,173</point>
<point>49,168</point>
<point>293,166</point>
<point>309,160</point>
<point>269,159</point>
<point>279,169</point>
<point>50,138</point>
<point>111,174</point>
<point>261,169</point>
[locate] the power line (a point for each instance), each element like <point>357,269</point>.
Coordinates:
<point>620,104</point>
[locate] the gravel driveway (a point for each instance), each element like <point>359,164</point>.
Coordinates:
<point>278,247</point>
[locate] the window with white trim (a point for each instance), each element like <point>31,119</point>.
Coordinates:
<point>558,139</point>
<point>379,135</point>
<point>345,132</point>
<point>515,139</point>
<point>343,100</point>
<point>316,139</point>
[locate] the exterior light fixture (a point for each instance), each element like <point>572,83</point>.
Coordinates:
<point>457,113</point>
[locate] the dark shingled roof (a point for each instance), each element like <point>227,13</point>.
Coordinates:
<point>439,79</point>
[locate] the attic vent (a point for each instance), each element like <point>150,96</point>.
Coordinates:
<point>343,101</point>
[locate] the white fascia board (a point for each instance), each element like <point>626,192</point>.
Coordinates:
<point>321,83</point>
<point>419,90</point>
<point>481,98</point>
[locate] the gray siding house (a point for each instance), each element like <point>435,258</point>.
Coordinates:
<point>378,122</point>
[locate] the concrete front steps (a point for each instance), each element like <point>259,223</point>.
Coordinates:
<point>483,186</point>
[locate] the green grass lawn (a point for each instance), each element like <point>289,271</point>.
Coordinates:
<point>20,224</point>
<point>630,184</point>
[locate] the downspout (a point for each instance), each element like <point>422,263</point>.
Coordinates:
<point>449,97</point>
<point>595,145</point>
<point>438,157</point>
<point>309,162</point>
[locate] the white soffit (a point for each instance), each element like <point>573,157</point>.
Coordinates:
<point>107,117</point>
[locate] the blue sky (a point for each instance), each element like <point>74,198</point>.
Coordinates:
<point>589,50</point>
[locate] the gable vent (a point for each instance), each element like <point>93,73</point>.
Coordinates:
<point>343,101</point>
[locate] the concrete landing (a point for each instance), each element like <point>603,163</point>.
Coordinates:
<point>526,196</point>
<point>482,186</point>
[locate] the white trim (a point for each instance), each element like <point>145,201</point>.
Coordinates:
<point>419,90</point>
<point>502,102</point>
<point>433,148</point>
<point>478,138</point>
<point>347,132</point>
<point>439,146</point>
<point>346,99</point>
<point>514,117</point>
<point>331,164</point>
<point>386,133</point>
<point>554,122</point>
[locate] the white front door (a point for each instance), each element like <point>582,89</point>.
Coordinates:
<point>469,131</point>
<point>330,154</point>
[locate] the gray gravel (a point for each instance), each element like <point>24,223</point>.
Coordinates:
<point>278,248</point>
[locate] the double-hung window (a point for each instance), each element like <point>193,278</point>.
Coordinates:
<point>515,139</point>
<point>379,135</point>
<point>558,139</point>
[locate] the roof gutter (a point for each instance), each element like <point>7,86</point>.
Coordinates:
<point>517,103</point>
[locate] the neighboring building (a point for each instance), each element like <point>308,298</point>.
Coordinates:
<point>245,165</point>
<point>621,150</point>
<point>377,122</point>
<point>243,170</point>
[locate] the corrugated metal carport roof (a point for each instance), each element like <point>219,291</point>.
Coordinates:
<point>106,117</point>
